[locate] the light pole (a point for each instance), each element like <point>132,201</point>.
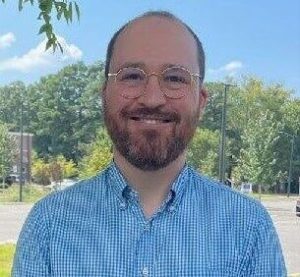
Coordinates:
<point>223,136</point>
<point>21,153</point>
<point>290,162</point>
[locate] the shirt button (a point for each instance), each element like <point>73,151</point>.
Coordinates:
<point>123,206</point>
<point>147,227</point>
<point>145,272</point>
<point>171,209</point>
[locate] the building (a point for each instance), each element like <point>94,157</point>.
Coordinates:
<point>26,155</point>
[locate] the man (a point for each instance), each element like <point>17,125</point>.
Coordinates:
<point>148,213</point>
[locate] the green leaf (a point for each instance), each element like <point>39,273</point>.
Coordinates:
<point>44,28</point>
<point>47,18</point>
<point>20,5</point>
<point>45,5</point>
<point>40,16</point>
<point>49,44</point>
<point>60,47</point>
<point>77,11</point>
<point>59,14</point>
<point>66,15</point>
<point>70,11</point>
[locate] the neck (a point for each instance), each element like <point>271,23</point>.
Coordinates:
<point>152,186</point>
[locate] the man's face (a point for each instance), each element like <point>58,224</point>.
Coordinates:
<point>152,130</point>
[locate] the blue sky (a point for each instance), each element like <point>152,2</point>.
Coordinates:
<point>258,38</point>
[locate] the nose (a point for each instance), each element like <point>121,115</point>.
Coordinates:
<point>152,96</point>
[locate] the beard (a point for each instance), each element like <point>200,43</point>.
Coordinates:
<point>149,149</point>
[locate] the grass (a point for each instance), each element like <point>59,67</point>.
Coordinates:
<point>6,257</point>
<point>30,193</point>
<point>272,196</point>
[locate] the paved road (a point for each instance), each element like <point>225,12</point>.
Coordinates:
<point>288,227</point>
<point>282,211</point>
<point>12,218</point>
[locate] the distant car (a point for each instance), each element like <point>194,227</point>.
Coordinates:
<point>246,188</point>
<point>298,207</point>
<point>62,185</point>
<point>9,180</point>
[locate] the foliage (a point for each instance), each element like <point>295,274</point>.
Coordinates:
<point>6,258</point>
<point>55,170</point>
<point>98,155</point>
<point>65,110</point>
<point>12,97</point>
<point>62,8</point>
<point>30,194</point>
<point>257,155</point>
<point>203,151</point>
<point>8,151</point>
<point>41,172</point>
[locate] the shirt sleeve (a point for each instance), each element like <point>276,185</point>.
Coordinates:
<point>32,252</point>
<point>266,258</point>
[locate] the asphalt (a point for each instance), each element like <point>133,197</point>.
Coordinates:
<point>282,211</point>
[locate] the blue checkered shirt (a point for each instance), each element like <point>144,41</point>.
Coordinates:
<point>97,228</point>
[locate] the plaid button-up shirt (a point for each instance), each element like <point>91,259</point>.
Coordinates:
<point>97,228</point>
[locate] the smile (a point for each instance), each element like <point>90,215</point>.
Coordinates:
<point>151,120</point>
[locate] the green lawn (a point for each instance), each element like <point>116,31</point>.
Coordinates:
<point>31,193</point>
<point>272,196</point>
<point>6,256</point>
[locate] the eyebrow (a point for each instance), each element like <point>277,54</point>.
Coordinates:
<point>143,65</point>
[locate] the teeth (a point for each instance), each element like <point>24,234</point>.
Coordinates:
<point>151,121</point>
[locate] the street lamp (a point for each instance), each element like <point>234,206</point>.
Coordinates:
<point>291,161</point>
<point>21,152</point>
<point>223,137</point>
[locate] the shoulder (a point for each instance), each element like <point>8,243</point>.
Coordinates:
<point>225,200</point>
<point>79,199</point>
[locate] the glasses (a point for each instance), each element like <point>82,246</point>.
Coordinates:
<point>175,82</point>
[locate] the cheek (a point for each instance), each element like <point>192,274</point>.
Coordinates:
<point>115,103</point>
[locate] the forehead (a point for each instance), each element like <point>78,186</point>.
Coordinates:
<point>155,41</point>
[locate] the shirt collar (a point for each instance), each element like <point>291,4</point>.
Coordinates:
<point>122,188</point>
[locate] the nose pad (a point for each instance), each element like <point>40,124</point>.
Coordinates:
<point>153,94</point>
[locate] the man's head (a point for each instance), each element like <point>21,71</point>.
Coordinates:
<point>153,95</point>
<point>162,14</point>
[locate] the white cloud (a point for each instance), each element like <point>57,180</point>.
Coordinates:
<point>38,58</point>
<point>7,40</point>
<point>228,69</point>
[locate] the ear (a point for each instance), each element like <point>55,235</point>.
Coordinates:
<point>103,88</point>
<point>203,97</point>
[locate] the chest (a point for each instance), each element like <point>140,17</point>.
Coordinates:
<point>124,246</point>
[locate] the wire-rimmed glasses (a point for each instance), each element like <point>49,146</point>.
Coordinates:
<point>175,82</point>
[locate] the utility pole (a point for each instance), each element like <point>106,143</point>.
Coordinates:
<point>291,165</point>
<point>223,137</point>
<point>21,154</point>
<point>292,137</point>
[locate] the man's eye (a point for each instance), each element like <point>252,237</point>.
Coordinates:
<point>132,77</point>
<point>175,79</point>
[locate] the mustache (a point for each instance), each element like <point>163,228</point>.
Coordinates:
<point>153,112</point>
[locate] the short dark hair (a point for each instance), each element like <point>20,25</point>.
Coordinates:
<point>164,14</point>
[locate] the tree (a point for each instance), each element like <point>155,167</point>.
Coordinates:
<point>66,110</point>
<point>257,159</point>
<point>203,151</point>
<point>41,172</point>
<point>8,151</point>
<point>12,97</point>
<point>98,155</point>
<point>62,9</point>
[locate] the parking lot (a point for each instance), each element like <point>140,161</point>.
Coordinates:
<point>282,211</point>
